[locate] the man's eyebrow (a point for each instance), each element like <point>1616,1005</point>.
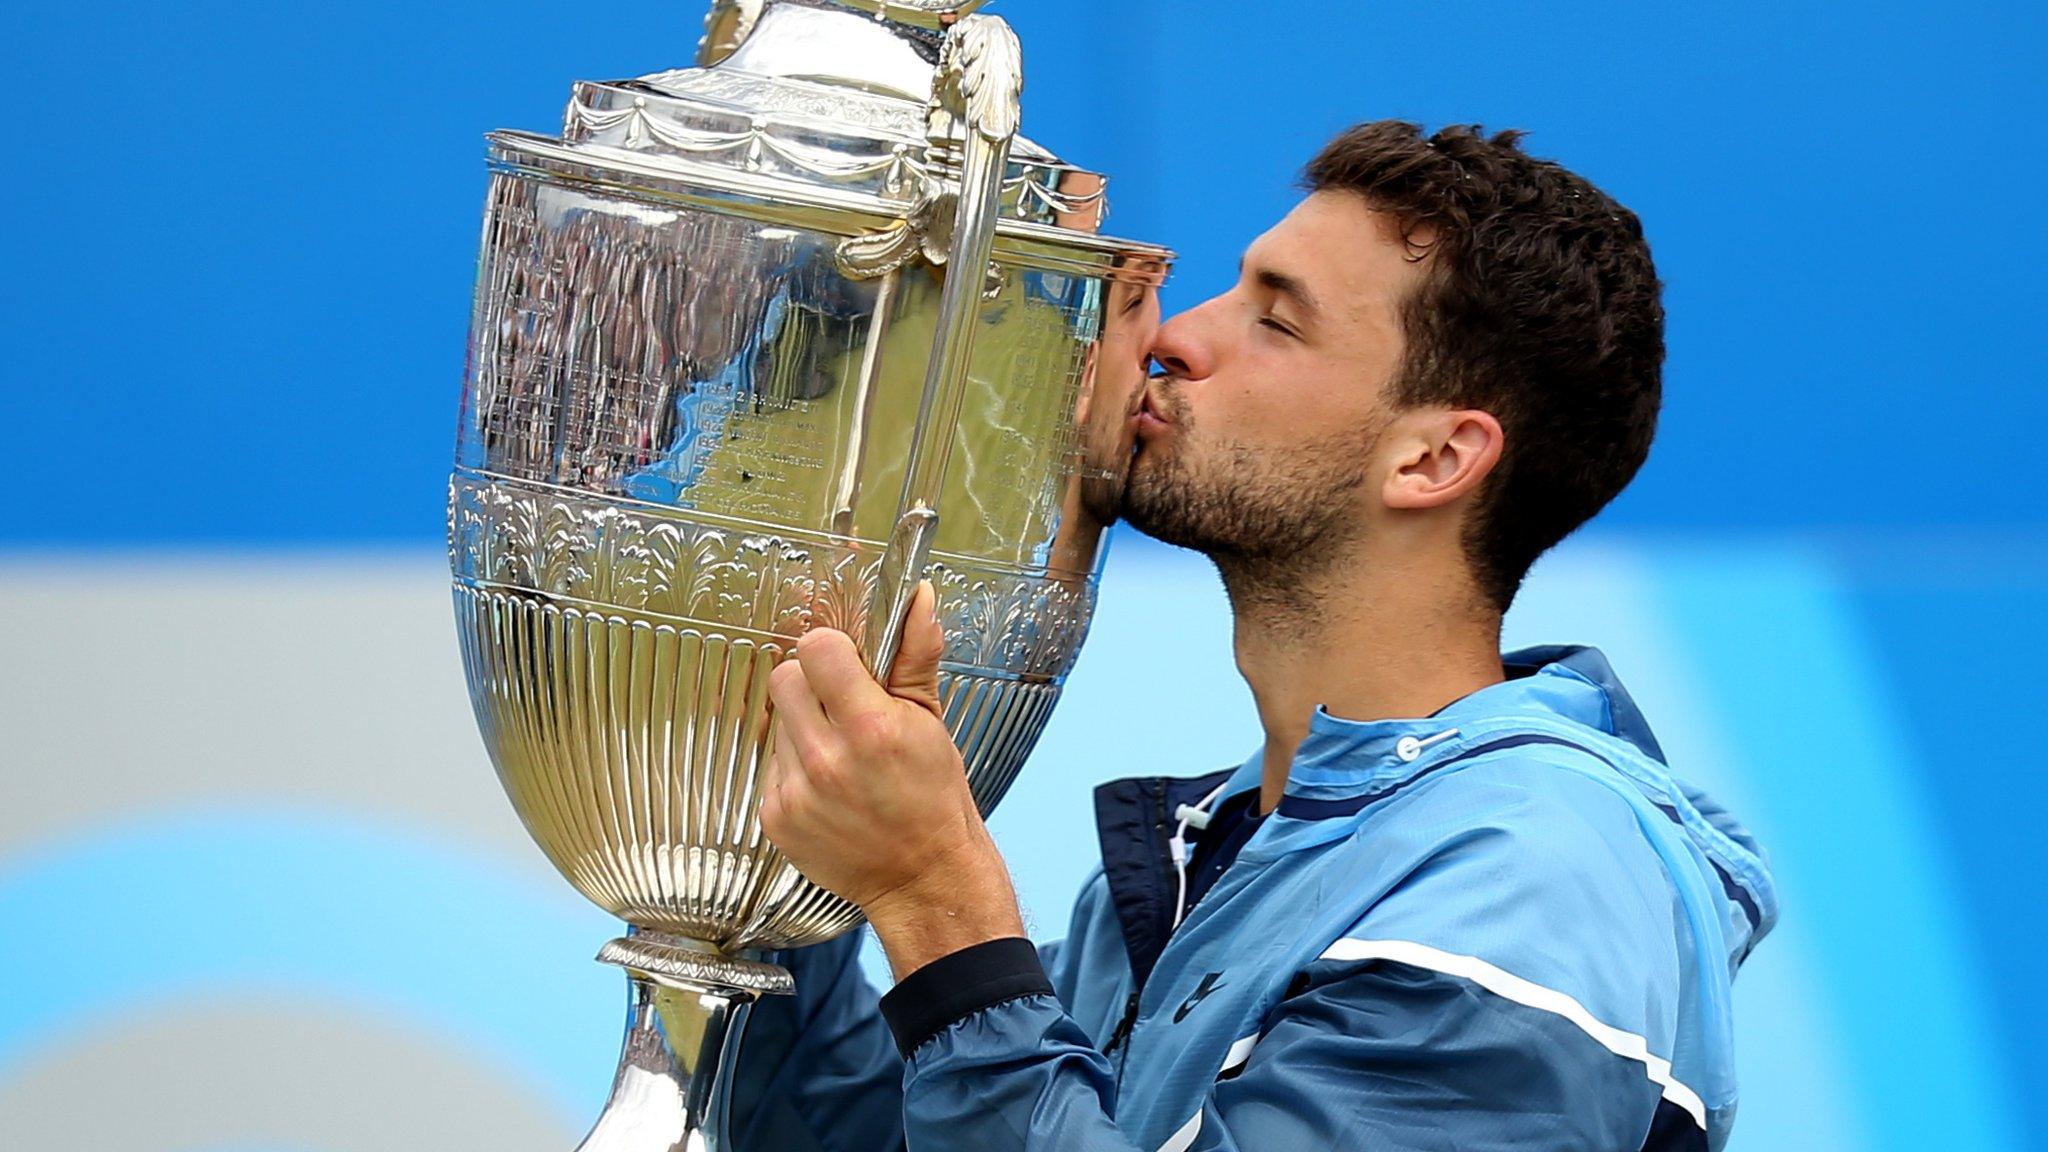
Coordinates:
<point>1285,285</point>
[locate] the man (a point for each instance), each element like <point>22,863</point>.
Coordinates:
<point>1456,899</point>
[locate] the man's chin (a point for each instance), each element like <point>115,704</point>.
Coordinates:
<point>1171,535</point>
<point>1149,519</point>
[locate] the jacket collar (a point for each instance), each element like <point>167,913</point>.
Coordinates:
<point>1567,682</point>
<point>1339,760</point>
<point>1574,684</point>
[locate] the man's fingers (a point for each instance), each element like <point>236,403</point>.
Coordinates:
<point>782,761</point>
<point>777,778</point>
<point>799,717</point>
<point>832,666</point>
<point>916,675</point>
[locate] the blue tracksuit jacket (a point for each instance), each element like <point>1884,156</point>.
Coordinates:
<point>1508,925</point>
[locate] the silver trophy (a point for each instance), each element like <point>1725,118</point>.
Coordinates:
<point>757,345</point>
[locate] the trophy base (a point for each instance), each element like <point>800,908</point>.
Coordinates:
<point>687,1004</point>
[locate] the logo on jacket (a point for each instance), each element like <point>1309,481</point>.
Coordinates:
<point>1209,984</point>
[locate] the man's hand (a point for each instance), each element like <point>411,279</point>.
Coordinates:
<point>867,796</point>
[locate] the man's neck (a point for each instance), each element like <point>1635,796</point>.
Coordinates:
<point>1364,638</point>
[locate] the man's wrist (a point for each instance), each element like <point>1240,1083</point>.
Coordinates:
<point>958,902</point>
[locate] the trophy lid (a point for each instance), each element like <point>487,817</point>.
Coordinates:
<point>803,100</point>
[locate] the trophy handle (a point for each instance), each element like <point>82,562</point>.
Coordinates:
<point>975,109</point>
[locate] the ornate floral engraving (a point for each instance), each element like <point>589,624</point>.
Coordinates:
<point>1030,627</point>
<point>551,542</point>
<point>614,556</point>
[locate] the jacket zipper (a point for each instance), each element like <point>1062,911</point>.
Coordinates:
<point>1120,1037</point>
<point>1122,1034</point>
<point>1160,840</point>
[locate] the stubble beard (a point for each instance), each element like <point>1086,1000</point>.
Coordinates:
<point>1273,522</point>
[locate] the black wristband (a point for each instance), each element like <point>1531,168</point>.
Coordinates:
<point>952,988</point>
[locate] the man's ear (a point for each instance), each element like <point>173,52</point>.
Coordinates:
<point>1441,455</point>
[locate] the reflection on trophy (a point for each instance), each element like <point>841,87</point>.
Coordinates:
<point>757,346</point>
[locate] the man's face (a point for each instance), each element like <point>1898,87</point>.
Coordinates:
<point>1113,385</point>
<point>1257,439</point>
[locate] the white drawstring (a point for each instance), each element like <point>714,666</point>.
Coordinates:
<point>1198,816</point>
<point>1408,747</point>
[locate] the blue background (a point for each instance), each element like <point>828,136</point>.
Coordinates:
<point>238,258</point>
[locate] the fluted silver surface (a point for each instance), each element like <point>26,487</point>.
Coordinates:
<point>633,749</point>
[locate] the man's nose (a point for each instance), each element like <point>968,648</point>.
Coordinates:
<point>1179,348</point>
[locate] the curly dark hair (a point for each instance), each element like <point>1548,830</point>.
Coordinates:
<point>1541,306</point>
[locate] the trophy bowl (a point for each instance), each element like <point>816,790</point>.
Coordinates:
<point>757,345</point>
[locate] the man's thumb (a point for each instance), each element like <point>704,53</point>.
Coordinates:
<point>916,675</point>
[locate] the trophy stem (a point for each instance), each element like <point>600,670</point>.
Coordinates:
<point>682,1037</point>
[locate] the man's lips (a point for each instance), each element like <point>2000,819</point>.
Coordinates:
<point>1150,416</point>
